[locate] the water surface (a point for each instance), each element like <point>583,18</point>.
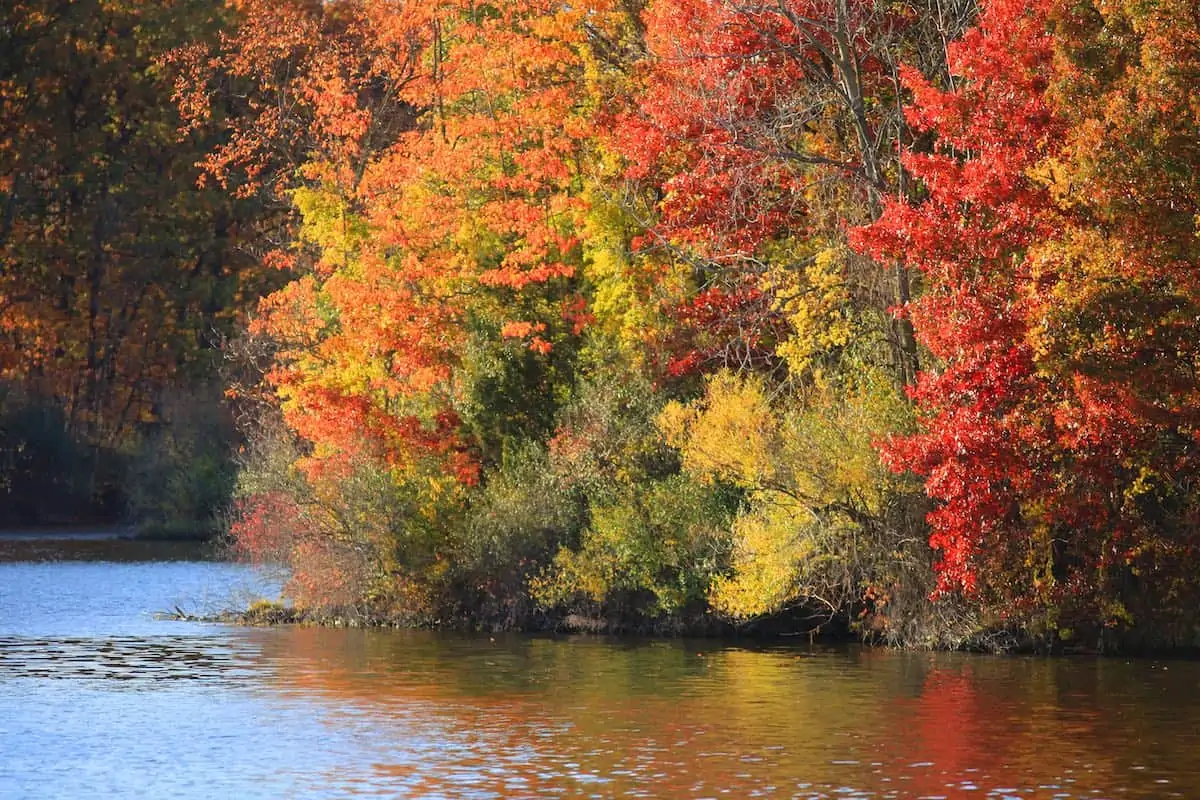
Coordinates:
<point>100,699</point>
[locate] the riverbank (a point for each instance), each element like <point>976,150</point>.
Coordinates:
<point>77,533</point>
<point>192,532</point>
<point>993,641</point>
<point>114,544</point>
<point>266,613</point>
<point>125,544</point>
<point>699,625</point>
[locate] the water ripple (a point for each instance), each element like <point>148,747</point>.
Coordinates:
<point>123,658</point>
<point>99,699</point>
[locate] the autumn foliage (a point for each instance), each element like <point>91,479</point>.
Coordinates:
<point>826,238</point>
<point>1058,434</point>
<point>117,275</point>
<point>653,314</point>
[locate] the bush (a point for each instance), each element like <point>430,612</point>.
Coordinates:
<point>281,518</point>
<point>825,524</point>
<point>517,519</point>
<point>653,552</point>
<point>651,540</point>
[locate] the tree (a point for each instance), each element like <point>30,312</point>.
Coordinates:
<point>759,133</point>
<point>435,306</point>
<point>768,128</point>
<point>1057,434</point>
<point>116,275</point>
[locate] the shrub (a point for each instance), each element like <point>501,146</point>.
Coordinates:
<point>825,524</point>
<point>651,539</point>
<point>654,551</point>
<point>517,519</point>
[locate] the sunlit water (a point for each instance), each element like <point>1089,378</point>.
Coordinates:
<point>100,699</point>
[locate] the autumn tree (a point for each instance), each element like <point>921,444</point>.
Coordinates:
<point>757,135</point>
<point>552,267</point>
<point>438,192</point>
<point>769,128</point>
<point>116,274</point>
<point>1057,237</point>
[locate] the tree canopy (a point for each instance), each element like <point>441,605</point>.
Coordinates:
<point>640,312</point>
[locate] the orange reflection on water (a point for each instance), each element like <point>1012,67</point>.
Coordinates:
<point>521,716</point>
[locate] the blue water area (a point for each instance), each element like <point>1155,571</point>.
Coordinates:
<point>99,697</point>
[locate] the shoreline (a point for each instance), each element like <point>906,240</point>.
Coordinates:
<point>69,533</point>
<point>269,614</point>
<point>266,613</point>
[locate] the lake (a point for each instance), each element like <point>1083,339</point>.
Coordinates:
<point>98,698</point>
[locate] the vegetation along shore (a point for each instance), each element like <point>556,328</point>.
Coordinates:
<point>626,315</point>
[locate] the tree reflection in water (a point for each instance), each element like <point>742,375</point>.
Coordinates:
<point>514,716</point>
